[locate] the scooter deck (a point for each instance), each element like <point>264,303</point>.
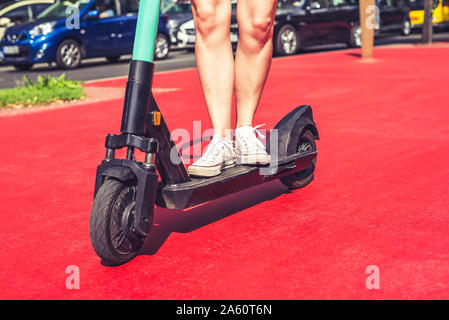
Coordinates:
<point>234,179</point>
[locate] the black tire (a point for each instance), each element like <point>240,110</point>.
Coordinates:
<point>355,37</point>
<point>112,241</point>
<point>23,66</point>
<point>406,27</point>
<point>113,59</point>
<point>302,178</point>
<point>68,54</point>
<point>162,47</point>
<point>287,41</point>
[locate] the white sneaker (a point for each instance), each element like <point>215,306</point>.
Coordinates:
<point>250,150</point>
<point>219,155</point>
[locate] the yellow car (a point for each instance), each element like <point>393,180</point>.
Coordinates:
<point>12,12</point>
<point>440,13</point>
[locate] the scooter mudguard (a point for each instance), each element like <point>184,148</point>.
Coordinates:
<point>147,179</point>
<point>291,127</point>
<point>121,173</point>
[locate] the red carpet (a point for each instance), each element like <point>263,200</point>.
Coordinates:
<point>380,196</point>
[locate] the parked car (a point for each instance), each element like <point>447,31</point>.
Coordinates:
<point>304,23</point>
<point>185,32</point>
<point>440,13</point>
<point>106,29</point>
<point>13,12</point>
<point>394,17</point>
<point>177,13</point>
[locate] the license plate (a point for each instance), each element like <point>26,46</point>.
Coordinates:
<point>11,49</point>
<point>234,37</point>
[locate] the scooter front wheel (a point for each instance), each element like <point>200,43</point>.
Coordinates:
<point>111,222</point>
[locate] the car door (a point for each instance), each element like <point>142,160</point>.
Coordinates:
<point>99,34</point>
<point>127,25</point>
<point>387,14</point>
<point>344,14</point>
<point>317,26</point>
<point>397,16</point>
<point>446,11</point>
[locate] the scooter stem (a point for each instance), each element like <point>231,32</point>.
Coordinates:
<point>140,109</point>
<point>138,96</point>
<point>146,31</point>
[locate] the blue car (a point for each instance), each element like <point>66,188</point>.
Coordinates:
<point>71,30</point>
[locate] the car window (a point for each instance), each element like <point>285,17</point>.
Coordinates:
<point>416,4</point>
<point>38,8</point>
<point>20,14</point>
<point>339,3</point>
<point>177,8</point>
<point>106,8</point>
<point>129,7</point>
<point>384,3</point>
<point>318,4</point>
<point>398,3</point>
<point>291,3</point>
<point>419,4</point>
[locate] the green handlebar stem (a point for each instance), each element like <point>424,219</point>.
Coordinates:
<point>146,30</point>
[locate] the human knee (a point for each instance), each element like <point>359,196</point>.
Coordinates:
<point>210,19</point>
<point>258,30</point>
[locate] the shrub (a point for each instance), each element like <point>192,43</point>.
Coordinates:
<point>44,90</point>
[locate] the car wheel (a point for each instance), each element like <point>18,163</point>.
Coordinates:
<point>113,59</point>
<point>406,27</point>
<point>355,40</point>
<point>162,47</point>
<point>68,55</point>
<point>287,41</point>
<point>23,66</point>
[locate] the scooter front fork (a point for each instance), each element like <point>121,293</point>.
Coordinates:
<point>129,171</point>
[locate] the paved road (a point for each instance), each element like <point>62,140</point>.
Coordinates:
<point>92,69</point>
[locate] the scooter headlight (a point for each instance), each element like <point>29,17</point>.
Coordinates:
<point>42,29</point>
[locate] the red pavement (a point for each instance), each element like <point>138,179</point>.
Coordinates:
<point>380,196</point>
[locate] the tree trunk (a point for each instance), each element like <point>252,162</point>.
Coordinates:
<point>367,22</point>
<point>427,28</point>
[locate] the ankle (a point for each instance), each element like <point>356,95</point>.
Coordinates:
<point>243,125</point>
<point>225,134</point>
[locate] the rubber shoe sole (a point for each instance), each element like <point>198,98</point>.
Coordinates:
<point>254,159</point>
<point>207,172</point>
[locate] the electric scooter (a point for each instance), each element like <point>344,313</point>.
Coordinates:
<point>126,190</point>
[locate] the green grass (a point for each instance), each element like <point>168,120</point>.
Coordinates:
<point>42,91</point>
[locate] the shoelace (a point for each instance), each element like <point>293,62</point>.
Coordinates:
<point>214,150</point>
<point>255,130</point>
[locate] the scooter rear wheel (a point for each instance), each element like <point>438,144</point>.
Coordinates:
<point>111,223</point>
<point>306,143</point>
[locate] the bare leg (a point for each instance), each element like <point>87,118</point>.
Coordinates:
<point>215,60</point>
<point>253,56</point>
